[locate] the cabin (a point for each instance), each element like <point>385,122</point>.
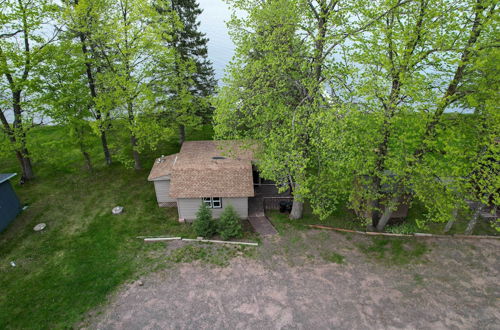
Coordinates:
<point>9,202</point>
<point>217,173</point>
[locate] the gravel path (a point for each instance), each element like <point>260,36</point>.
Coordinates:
<point>286,285</point>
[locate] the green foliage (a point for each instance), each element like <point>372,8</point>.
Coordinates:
<point>229,224</point>
<point>22,50</point>
<point>393,71</point>
<point>184,80</point>
<point>193,67</point>
<point>204,225</point>
<point>268,93</point>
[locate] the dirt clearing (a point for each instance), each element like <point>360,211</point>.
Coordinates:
<point>319,280</point>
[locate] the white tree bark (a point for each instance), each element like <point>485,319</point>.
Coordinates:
<point>473,221</point>
<point>389,208</point>
<point>297,209</point>
<point>451,221</point>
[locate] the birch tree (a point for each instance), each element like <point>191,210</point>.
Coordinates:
<point>408,69</point>
<point>24,35</point>
<point>83,20</point>
<point>65,94</point>
<point>129,43</point>
<point>301,50</point>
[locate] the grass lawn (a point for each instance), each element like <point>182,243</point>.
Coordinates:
<point>85,252</point>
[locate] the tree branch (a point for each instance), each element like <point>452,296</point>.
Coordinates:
<point>8,35</point>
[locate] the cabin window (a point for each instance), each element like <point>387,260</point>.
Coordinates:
<point>213,202</point>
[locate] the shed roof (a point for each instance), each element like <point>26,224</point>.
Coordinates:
<point>208,169</point>
<point>6,176</point>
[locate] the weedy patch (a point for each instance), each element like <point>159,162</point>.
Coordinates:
<point>209,253</point>
<point>333,257</point>
<point>395,251</point>
<point>323,236</point>
<point>419,279</point>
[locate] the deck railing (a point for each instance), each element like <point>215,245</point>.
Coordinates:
<point>273,203</point>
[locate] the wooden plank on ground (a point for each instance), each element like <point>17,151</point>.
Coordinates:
<point>160,239</point>
<point>419,235</point>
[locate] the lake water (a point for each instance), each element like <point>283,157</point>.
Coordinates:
<point>213,22</point>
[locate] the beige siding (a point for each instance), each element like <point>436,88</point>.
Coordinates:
<point>189,206</point>
<point>162,189</point>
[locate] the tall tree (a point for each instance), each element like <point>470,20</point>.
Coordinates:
<point>264,96</point>
<point>130,45</point>
<point>304,42</point>
<point>193,81</point>
<point>23,38</point>
<point>84,19</point>
<point>65,93</point>
<point>395,138</point>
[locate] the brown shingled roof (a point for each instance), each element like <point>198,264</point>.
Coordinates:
<point>162,167</point>
<point>195,173</point>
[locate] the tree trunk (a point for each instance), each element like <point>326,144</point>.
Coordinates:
<point>389,209</point>
<point>297,206</point>
<point>22,155</point>
<point>452,88</point>
<point>88,162</point>
<point>86,157</point>
<point>93,93</point>
<point>25,162</point>
<point>19,136</point>
<point>451,222</point>
<point>137,159</point>
<point>297,209</point>
<point>182,134</point>
<point>133,138</point>
<point>473,221</point>
<point>105,148</point>
<point>375,205</point>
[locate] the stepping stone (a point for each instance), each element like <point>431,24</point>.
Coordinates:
<point>39,227</point>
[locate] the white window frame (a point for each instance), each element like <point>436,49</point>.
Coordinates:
<point>212,202</point>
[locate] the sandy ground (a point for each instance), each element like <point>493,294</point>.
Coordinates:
<point>287,285</point>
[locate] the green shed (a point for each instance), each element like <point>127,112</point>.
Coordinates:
<point>9,202</point>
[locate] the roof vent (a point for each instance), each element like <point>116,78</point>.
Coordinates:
<point>161,159</point>
<point>218,157</point>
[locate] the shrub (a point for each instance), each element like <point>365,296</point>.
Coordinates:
<point>229,224</point>
<point>204,224</point>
